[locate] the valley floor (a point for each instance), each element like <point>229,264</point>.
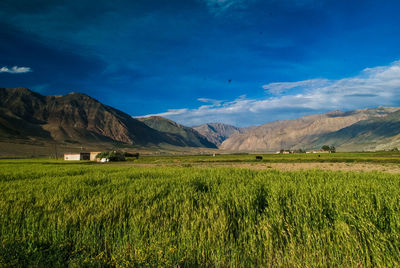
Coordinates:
<point>360,167</point>
<point>185,211</point>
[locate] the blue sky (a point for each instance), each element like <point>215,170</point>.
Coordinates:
<point>196,61</point>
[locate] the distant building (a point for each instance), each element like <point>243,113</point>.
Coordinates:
<point>77,156</point>
<point>318,152</point>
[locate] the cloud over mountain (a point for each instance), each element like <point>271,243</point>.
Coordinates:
<point>377,85</point>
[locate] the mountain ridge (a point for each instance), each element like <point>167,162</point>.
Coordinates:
<point>376,133</point>
<point>184,135</point>
<point>218,132</point>
<point>299,133</point>
<point>79,118</point>
<point>74,117</point>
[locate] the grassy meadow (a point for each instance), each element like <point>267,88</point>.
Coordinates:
<point>56,213</point>
<point>356,157</point>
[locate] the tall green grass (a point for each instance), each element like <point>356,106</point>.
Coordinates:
<point>54,214</point>
<point>360,157</point>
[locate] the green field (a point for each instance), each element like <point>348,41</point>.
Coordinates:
<point>361,157</point>
<point>55,213</point>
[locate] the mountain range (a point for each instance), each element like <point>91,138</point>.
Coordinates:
<point>184,136</point>
<point>376,133</point>
<point>76,118</point>
<point>218,132</point>
<point>79,119</point>
<point>346,130</point>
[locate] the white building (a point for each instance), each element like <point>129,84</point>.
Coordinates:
<point>77,156</point>
<point>93,156</point>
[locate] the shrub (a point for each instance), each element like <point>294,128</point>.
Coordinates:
<point>112,156</point>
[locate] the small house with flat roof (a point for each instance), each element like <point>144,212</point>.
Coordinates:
<point>93,156</point>
<point>76,156</point>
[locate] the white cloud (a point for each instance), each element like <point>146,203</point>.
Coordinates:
<point>171,112</point>
<point>281,87</point>
<point>15,70</point>
<point>212,103</point>
<point>218,7</point>
<point>371,88</point>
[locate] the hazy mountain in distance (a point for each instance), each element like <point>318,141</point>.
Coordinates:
<point>182,135</point>
<point>218,132</point>
<point>301,132</point>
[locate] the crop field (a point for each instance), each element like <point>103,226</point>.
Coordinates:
<point>362,157</point>
<point>172,212</point>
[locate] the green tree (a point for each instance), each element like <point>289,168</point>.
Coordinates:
<point>112,156</point>
<point>326,148</point>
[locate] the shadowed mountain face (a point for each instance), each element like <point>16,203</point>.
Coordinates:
<point>303,132</point>
<point>74,117</point>
<point>185,136</point>
<point>376,133</point>
<point>21,114</point>
<point>218,132</point>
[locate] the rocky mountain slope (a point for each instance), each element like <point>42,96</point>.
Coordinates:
<point>182,135</point>
<point>74,117</point>
<point>298,133</point>
<point>377,133</point>
<point>218,132</point>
